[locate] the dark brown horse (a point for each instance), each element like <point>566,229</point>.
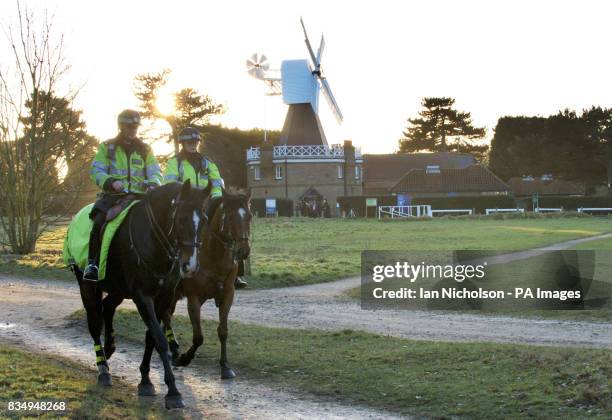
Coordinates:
<point>225,242</point>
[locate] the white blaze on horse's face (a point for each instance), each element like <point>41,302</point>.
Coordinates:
<point>193,260</point>
<point>188,269</point>
<point>242,213</point>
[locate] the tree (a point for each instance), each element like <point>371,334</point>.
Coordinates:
<point>567,145</point>
<point>440,128</point>
<point>39,133</point>
<point>190,107</point>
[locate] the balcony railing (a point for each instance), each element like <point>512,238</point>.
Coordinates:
<point>336,151</point>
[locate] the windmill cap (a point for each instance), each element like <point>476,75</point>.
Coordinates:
<point>189,134</point>
<point>128,116</point>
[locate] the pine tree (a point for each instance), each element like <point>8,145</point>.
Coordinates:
<point>440,128</point>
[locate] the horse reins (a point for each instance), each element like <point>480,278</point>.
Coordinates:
<point>170,250</point>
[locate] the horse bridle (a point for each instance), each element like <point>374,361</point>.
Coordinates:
<point>170,247</point>
<point>228,241</point>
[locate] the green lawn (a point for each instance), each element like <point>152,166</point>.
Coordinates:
<point>431,379</point>
<point>31,377</point>
<point>293,251</point>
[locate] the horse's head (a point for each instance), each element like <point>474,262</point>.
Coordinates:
<point>188,224</point>
<point>236,222</point>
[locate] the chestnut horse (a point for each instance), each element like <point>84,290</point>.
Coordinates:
<point>225,242</point>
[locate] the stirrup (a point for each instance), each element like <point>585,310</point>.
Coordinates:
<point>91,273</point>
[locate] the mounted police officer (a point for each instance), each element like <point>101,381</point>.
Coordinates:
<point>123,167</point>
<point>188,164</point>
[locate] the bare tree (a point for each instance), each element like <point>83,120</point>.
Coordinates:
<point>41,135</point>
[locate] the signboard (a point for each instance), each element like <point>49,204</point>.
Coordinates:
<point>403,199</point>
<point>271,207</point>
<point>371,202</point>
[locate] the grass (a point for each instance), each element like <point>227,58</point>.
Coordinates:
<point>31,377</point>
<point>431,379</point>
<point>295,251</point>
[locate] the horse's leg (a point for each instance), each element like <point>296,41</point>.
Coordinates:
<point>167,322</point>
<point>145,387</point>
<point>109,304</point>
<point>147,312</point>
<point>91,296</point>
<point>222,331</point>
<point>193,307</point>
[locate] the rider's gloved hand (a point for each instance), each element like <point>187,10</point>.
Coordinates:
<point>118,186</point>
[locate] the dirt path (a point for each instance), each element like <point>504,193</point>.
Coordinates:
<point>40,326</point>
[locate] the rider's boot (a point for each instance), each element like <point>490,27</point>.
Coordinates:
<point>91,271</point>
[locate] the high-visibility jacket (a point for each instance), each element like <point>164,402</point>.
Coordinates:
<point>179,170</point>
<point>136,172</point>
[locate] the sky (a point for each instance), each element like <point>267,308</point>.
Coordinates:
<point>496,58</point>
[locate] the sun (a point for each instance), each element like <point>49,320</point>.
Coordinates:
<point>165,102</point>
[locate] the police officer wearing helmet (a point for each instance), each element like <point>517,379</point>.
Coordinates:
<point>123,166</point>
<point>199,170</point>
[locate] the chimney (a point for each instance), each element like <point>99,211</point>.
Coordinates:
<point>266,156</point>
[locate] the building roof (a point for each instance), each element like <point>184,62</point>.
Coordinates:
<point>381,172</point>
<point>474,178</point>
<point>522,187</point>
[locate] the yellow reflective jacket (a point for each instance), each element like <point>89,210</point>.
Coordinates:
<point>179,169</point>
<point>136,172</point>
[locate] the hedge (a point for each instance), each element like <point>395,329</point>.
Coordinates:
<point>284,206</point>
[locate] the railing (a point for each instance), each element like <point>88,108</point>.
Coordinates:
<point>594,209</point>
<point>336,151</point>
<point>404,211</point>
<point>489,211</point>
<point>548,209</point>
<point>452,211</point>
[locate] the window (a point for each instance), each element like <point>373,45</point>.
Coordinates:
<point>357,172</point>
<point>340,169</point>
<point>279,172</point>
<point>256,173</point>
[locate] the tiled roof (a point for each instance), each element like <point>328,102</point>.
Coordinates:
<point>474,178</point>
<point>381,172</point>
<point>551,187</point>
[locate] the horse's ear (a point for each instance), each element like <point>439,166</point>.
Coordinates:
<point>185,189</point>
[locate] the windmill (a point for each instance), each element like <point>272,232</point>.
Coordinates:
<point>299,84</point>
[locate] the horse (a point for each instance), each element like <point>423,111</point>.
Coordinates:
<point>226,241</point>
<point>157,245</point>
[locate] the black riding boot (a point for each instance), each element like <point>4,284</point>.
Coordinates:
<point>91,271</point>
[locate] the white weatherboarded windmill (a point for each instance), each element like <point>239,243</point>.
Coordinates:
<point>299,84</point>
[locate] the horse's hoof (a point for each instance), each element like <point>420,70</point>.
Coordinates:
<point>104,379</point>
<point>174,401</point>
<point>146,390</point>
<point>108,351</point>
<point>183,360</point>
<point>227,373</point>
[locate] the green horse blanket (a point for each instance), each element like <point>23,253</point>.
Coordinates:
<point>76,242</point>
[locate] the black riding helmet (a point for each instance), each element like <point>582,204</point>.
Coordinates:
<point>128,116</point>
<point>189,134</point>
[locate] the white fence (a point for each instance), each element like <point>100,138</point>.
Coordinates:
<point>404,211</point>
<point>548,209</point>
<point>452,211</point>
<point>594,209</point>
<point>489,211</point>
